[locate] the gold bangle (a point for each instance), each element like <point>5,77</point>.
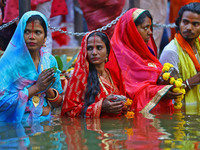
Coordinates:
<point>55,98</point>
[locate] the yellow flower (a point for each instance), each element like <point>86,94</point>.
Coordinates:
<point>165,68</point>
<point>183,91</point>
<point>178,100</point>
<point>177,105</point>
<point>172,80</point>
<point>179,79</point>
<point>168,64</point>
<point>180,96</point>
<point>178,84</point>
<point>166,76</point>
<point>176,90</point>
<point>129,114</point>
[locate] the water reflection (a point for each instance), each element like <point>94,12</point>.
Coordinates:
<point>13,136</point>
<point>176,131</point>
<point>118,133</point>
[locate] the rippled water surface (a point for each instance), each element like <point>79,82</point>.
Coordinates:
<point>174,132</point>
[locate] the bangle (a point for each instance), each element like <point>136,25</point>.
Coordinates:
<point>56,96</point>
<point>187,83</point>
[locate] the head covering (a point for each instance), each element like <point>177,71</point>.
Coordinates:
<point>137,13</point>
<point>76,88</point>
<point>18,72</point>
<point>16,63</point>
<point>140,68</point>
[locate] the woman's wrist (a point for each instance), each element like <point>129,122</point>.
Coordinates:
<point>52,95</point>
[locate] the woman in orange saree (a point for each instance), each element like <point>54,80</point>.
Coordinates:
<point>136,53</point>
<point>96,77</point>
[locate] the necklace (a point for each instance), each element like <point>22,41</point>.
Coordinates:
<point>36,100</point>
<point>109,76</point>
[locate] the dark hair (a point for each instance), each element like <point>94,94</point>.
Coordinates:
<point>41,20</point>
<point>193,7</point>
<point>141,18</point>
<point>6,35</point>
<point>93,86</point>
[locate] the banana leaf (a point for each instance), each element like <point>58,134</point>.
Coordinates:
<point>60,63</point>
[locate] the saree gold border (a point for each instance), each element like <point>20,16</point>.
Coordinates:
<point>154,101</point>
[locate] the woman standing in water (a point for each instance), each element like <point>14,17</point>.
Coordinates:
<point>27,84</point>
<point>136,53</point>
<point>96,78</point>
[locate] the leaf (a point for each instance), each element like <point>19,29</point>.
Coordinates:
<point>54,68</point>
<point>59,61</point>
<point>71,61</point>
<point>64,60</point>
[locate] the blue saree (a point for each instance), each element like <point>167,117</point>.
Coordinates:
<point>18,73</point>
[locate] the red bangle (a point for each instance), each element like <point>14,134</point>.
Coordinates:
<point>55,98</point>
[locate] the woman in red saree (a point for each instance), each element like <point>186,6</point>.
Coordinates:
<point>96,77</point>
<point>136,53</point>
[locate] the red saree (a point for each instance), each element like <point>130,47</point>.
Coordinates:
<point>76,88</point>
<point>140,68</point>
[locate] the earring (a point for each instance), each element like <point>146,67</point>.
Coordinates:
<point>106,59</point>
<point>44,45</point>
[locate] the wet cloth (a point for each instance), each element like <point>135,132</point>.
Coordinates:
<point>76,88</point>
<point>18,73</point>
<point>180,54</point>
<point>140,68</point>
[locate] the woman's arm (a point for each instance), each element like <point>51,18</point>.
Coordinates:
<point>44,81</point>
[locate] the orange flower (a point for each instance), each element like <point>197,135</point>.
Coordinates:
<point>130,114</point>
<point>128,102</point>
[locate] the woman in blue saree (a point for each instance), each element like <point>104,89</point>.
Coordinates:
<point>28,88</point>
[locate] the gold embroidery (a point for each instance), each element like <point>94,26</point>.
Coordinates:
<point>146,110</point>
<point>152,65</point>
<point>137,13</point>
<point>103,84</point>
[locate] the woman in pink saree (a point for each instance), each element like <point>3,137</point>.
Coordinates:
<point>136,53</point>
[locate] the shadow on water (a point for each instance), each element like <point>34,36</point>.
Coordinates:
<point>175,131</point>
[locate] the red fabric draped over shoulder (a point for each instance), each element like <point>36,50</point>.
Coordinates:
<point>76,88</point>
<point>140,69</point>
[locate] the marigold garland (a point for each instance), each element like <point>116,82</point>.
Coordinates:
<point>177,84</point>
<point>128,103</point>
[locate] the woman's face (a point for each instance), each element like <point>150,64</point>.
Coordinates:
<point>34,35</point>
<point>145,29</point>
<point>96,51</point>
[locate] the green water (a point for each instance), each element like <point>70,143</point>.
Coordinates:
<point>173,132</point>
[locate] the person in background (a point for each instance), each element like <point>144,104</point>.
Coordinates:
<point>29,85</point>
<point>136,53</point>
<point>183,52</point>
<point>106,10</point>
<point>96,78</point>
<point>175,6</point>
